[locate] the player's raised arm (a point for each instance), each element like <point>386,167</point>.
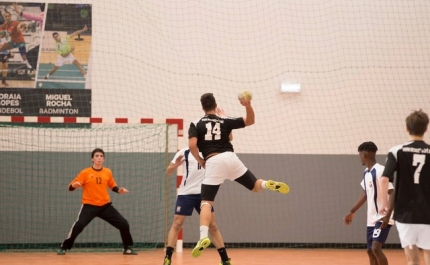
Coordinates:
<point>79,31</point>
<point>16,8</point>
<point>249,119</point>
<point>245,100</point>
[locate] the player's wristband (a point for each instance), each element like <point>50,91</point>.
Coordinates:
<point>115,189</point>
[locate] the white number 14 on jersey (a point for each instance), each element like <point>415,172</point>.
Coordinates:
<point>213,133</point>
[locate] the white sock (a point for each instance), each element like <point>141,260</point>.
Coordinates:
<point>263,184</point>
<point>28,64</point>
<point>47,75</point>
<point>204,231</point>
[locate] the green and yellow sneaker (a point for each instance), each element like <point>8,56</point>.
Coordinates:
<point>201,245</point>
<point>277,186</point>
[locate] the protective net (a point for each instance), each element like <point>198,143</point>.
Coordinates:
<point>362,67</point>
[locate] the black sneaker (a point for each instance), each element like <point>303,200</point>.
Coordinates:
<point>61,252</point>
<point>129,251</point>
<point>45,78</point>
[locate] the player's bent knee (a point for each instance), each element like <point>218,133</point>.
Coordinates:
<point>247,180</point>
<point>205,203</point>
<point>177,224</point>
<point>123,225</point>
<point>376,246</point>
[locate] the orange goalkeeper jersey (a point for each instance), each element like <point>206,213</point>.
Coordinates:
<point>95,184</point>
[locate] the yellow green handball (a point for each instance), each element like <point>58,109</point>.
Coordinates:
<point>244,95</point>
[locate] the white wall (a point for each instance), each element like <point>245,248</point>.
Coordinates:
<point>363,67</point>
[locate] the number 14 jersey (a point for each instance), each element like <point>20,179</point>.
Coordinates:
<point>213,133</point>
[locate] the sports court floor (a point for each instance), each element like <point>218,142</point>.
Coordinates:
<point>67,76</point>
<point>210,256</point>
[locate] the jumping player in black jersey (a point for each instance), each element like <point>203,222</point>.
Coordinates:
<point>412,189</point>
<point>210,136</point>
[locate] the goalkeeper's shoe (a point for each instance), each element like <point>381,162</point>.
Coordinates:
<point>128,251</point>
<point>277,186</point>
<point>61,252</point>
<point>226,262</point>
<point>167,261</point>
<point>201,245</point>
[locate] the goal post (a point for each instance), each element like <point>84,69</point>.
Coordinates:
<point>38,162</point>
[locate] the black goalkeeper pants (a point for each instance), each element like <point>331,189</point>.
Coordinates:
<point>106,212</point>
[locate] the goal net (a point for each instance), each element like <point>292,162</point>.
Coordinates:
<point>37,164</point>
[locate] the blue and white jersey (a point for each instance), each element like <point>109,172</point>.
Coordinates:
<point>193,173</point>
<point>370,184</point>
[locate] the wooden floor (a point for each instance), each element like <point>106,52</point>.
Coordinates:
<point>210,256</point>
<point>19,83</point>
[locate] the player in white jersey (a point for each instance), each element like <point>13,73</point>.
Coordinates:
<point>64,50</point>
<point>411,205</point>
<point>376,233</point>
<point>189,198</point>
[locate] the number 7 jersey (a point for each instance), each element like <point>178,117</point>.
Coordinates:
<point>411,161</point>
<point>213,133</point>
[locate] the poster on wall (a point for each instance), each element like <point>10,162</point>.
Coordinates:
<point>45,59</point>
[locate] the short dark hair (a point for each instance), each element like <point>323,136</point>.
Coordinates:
<point>97,150</point>
<point>417,122</point>
<point>55,33</point>
<point>208,101</point>
<point>368,147</point>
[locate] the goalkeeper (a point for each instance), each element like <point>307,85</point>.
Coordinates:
<point>64,50</point>
<point>95,181</point>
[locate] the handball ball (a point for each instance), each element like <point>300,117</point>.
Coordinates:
<point>245,95</point>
